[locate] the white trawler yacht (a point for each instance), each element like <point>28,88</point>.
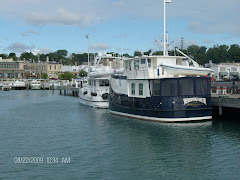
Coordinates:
<point>35,85</point>
<point>94,92</point>
<point>161,88</point>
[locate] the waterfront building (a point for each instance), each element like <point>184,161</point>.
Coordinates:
<point>11,69</point>
<point>35,69</point>
<point>225,71</point>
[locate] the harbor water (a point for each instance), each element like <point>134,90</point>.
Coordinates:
<point>44,135</point>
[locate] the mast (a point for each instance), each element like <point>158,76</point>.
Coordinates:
<point>164,25</point>
<point>87,36</point>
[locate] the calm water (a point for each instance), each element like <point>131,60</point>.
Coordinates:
<point>102,146</point>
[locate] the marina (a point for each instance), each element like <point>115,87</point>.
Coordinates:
<point>111,90</point>
<point>101,145</point>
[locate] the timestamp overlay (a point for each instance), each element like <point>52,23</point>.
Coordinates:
<point>41,160</point>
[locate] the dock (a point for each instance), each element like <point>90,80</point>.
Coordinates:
<point>66,90</point>
<point>225,101</point>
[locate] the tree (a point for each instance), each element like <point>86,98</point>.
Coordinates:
<point>234,53</point>
<point>158,53</point>
<point>137,53</point>
<point>27,56</point>
<point>62,53</point>
<point>44,76</point>
<point>83,73</point>
<point>13,56</point>
<point>66,76</point>
<point>148,52</point>
<point>4,56</point>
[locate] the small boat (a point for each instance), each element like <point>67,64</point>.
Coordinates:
<point>178,70</point>
<point>93,90</point>
<point>19,84</point>
<point>35,85</point>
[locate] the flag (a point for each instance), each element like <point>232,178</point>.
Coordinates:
<point>87,35</point>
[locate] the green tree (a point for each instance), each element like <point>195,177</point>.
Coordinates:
<point>137,53</point>
<point>234,53</point>
<point>44,76</point>
<point>62,53</point>
<point>158,53</point>
<point>83,73</point>
<point>148,52</point>
<point>13,56</point>
<point>27,56</point>
<point>4,56</point>
<point>66,76</point>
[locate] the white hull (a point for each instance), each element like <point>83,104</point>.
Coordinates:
<point>35,87</point>
<point>93,102</point>
<point>161,119</point>
<point>177,70</point>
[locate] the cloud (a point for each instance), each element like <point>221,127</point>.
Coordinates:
<point>100,47</point>
<point>41,51</point>
<point>19,47</point>
<point>30,32</point>
<point>60,17</point>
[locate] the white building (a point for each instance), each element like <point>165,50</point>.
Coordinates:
<point>226,71</point>
<point>72,69</point>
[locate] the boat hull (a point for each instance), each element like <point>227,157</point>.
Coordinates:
<point>93,101</point>
<point>179,108</point>
<point>35,87</point>
<point>177,70</point>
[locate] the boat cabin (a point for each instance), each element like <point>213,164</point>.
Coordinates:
<point>149,67</point>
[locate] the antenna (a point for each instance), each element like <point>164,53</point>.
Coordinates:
<point>164,25</point>
<point>182,42</point>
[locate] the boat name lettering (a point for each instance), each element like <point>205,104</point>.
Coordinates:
<point>189,100</point>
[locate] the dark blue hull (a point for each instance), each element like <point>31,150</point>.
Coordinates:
<point>164,108</point>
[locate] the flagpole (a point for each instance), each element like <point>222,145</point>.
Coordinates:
<point>88,56</point>
<point>164,27</point>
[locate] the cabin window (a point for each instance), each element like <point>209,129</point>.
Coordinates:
<point>50,67</point>
<point>136,64</point>
<point>101,83</point>
<point>94,83</point>
<point>143,61</point>
<point>140,88</point>
<point>149,62</point>
<point>169,87</point>
<point>133,88</point>
<point>202,86</point>
<point>104,82</point>
<point>130,68</point>
<point>186,87</point>
<point>156,87</point>
<point>126,64</point>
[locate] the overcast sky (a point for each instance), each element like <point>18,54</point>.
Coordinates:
<point>43,26</point>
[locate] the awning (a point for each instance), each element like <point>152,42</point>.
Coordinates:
<point>223,73</point>
<point>234,73</point>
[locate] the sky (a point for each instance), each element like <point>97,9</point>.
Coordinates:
<point>123,26</point>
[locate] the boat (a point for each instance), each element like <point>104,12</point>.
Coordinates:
<point>35,85</point>
<point>161,89</point>
<point>54,84</point>
<point>93,90</point>
<point>19,84</point>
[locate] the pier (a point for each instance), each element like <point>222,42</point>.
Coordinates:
<point>226,101</point>
<point>66,90</point>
